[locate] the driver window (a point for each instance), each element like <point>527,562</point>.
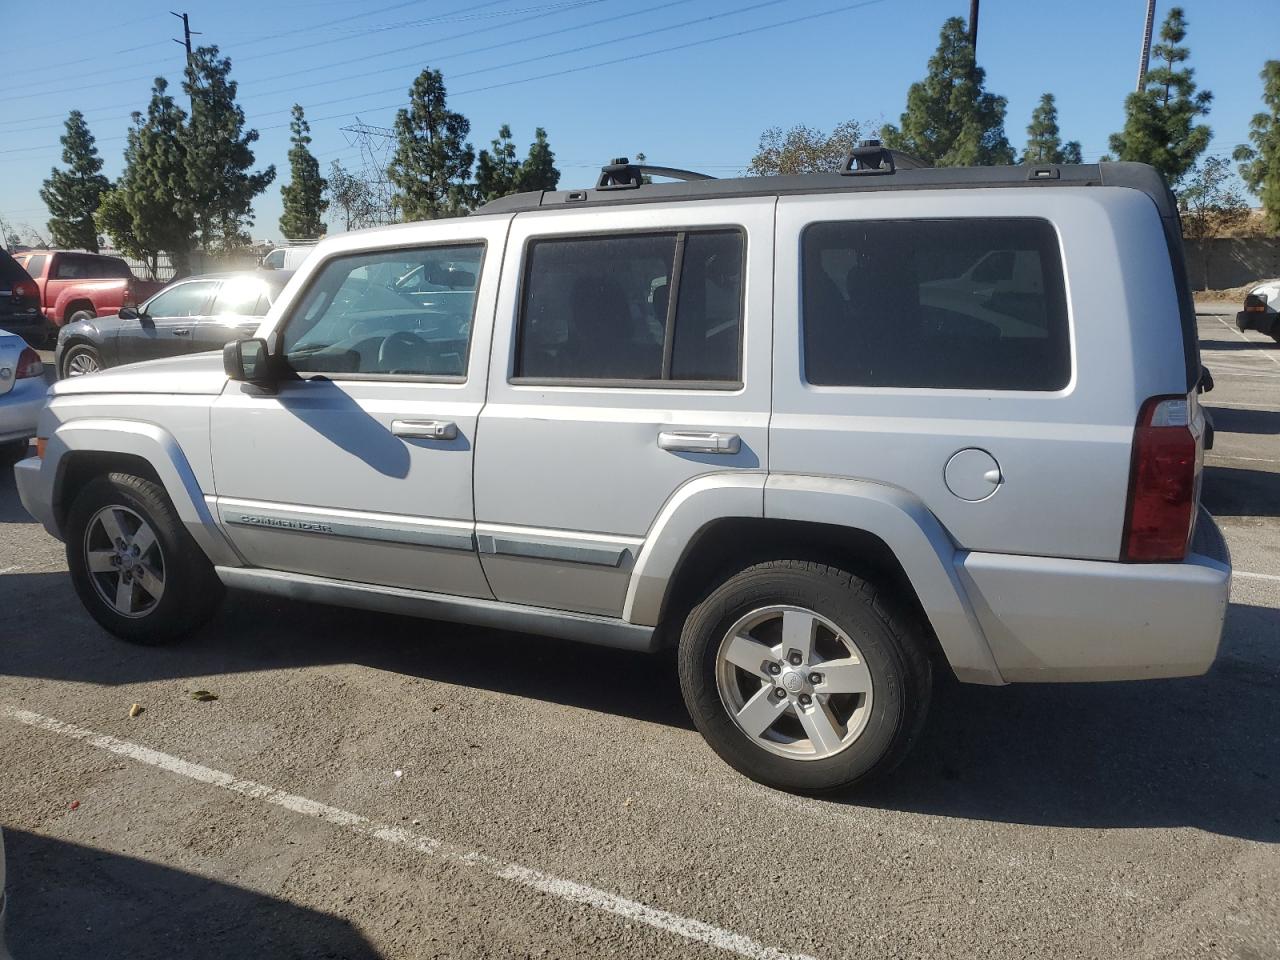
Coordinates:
<point>392,312</point>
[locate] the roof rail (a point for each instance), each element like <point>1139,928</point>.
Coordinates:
<point>621,174</point>
<point>872,158</point>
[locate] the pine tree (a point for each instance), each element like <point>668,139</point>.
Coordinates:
<point>951,121</point>
<point>304,202</point>
<point>218,154</point>
<point>1159,125</point>
<point>73,195</point>
<point>431,166</point>
<point>114,219</point>
<point>538,172</point>
<point>1044,145</point>
<point>1260,164</point>
<point>154,185</point>
<point>498,170</point>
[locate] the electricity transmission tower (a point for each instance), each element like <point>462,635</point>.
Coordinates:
<point>376,145</point>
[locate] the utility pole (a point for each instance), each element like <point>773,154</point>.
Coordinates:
<point>973,26</point>
<point>186,34</point>
<point>1146,44</point>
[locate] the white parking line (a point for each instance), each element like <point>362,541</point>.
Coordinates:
<point>1240,334</point>
<point>1222,456</point>
<point>1254,576</point>
<point>546,883</point>
<point>9,570</point>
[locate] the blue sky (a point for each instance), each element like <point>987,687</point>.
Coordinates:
<point>701,105</point>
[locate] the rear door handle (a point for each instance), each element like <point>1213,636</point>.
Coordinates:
<point>682,441</point>
<point>184,332</point>
<point>425,429</point>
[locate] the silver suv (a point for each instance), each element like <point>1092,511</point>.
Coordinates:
<point>830,436</point>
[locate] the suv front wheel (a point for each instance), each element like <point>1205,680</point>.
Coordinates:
<point>136,569</point>
<point>803,676</point>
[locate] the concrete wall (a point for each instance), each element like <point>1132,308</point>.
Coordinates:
<point>1222,264</point>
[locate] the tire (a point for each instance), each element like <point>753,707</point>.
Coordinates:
<point>171,563</point>
<point>880,648</point>
<point>80,360</point>
<point>82,314</point>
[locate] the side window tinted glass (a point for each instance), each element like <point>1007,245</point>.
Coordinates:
<point>962,304</point>
<point>599,308</point>
<point>708,316</point>
<point>72,268</point>
<point>239,296</point>
<point>596,308</point>
<point>184,300</point>
<point>405,312</point>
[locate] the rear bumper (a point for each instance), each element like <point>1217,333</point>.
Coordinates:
<point>1264,322</point>
<point>1050,619</point>
<point>20,409</point>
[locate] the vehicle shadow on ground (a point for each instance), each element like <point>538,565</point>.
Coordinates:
<point>1267,344</point>
<point>1239,420</point>
<point>1198,752</point>
<point>68,900</point>
<point>1237,492</point>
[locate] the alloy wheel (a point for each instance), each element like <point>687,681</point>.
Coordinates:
<point>125,562</point>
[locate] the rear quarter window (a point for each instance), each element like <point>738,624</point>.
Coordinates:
<point>974,304</point>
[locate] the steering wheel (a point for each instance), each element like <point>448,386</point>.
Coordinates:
<point>396,347</point>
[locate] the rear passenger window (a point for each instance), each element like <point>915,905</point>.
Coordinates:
<point>960,304</point>
<point>601,308</point>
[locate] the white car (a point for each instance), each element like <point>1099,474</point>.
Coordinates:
<point>737,417</point>
<point>22,394</point>
<point>1262,309</point>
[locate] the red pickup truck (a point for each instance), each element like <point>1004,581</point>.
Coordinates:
<point>79,286</point>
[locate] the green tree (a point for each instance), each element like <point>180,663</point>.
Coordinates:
<point>497,170</point>
<point>1260,164</point>
<point>538,172</point>
<point>1160,120</point>
<point>154,187</point>
<point>951,121</point>
<point>353,195</point>
<point>431,167</point>
<point>1211,205</point>
<point>114,219</point>
<point>804,149</point>
<point>219,154</point>
<point>1044,144</point>
<point>73,195</point>
<point>304,202</point>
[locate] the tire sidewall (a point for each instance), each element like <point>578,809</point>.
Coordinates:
<point>171,615</point>
<point>835,598</point>
<point>79,315</point>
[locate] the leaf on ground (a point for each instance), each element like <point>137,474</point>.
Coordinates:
<point>135,709</point>
<point>204,696</point>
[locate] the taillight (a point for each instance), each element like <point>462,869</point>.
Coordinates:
<point>1162,486</point>
<point>26,288</point>
<point>1255,303</point>
<point>29,364</point>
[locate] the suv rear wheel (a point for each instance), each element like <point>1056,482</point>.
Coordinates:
<point>136,569</point>
<point>803,676</point>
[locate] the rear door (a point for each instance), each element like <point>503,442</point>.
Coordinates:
<point>237,311</point>
<point>167,322</point>
<point>631,355</point>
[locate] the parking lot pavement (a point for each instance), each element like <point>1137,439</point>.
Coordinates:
<point>369,786</point>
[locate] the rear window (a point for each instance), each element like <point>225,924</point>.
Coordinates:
<point>951,304</point>
<point>10,270</point>
<point>75,267</point>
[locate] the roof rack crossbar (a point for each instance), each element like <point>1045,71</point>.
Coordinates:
<point>872,158</point>
<point>622,174</point>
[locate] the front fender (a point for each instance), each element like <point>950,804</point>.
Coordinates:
<point>158,448</point>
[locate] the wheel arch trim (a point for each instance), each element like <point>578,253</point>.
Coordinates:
<point>899,520</point>
<point>160,450</point>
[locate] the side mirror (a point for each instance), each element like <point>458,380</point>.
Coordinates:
<point>129,313</point>
<point>248,361</point>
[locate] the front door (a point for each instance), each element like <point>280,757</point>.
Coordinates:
<point>167,323</point>
<point>626,363</point>
<point>360,469</point>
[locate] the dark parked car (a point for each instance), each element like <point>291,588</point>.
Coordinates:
<point>20,303</point>
<point>188,316</point>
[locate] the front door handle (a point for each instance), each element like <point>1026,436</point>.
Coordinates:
<point>425,429</point>
<point>184,332</point>
<point>681,441</point>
